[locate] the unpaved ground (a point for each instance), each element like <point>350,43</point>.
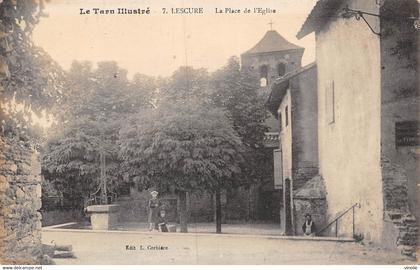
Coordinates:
<point>239,228</point>
<point>111,248</point>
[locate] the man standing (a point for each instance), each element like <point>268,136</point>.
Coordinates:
<point>154,207</point>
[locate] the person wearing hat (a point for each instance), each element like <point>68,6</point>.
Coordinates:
<point>154,206</point>
<point>308,227</point>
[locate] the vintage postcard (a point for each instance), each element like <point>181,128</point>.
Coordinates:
<point>181,132</point>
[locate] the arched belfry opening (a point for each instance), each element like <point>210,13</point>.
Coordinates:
<point>281,69</point>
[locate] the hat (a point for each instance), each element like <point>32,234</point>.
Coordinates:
<point>154,192</point>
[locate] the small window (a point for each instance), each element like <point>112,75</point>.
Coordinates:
<point>286,115</point>
<point>407,133</point>
<point>281,69</point>
<point>263,82</point>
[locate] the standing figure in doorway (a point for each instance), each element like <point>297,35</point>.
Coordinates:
<point>308,227</point>
<point>154,207</point>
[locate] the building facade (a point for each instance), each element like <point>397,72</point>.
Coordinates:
<point>270,59</point>
<point>368,116</point>
<point>293,100</point>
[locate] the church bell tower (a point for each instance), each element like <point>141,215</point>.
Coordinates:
<point>271,58</point>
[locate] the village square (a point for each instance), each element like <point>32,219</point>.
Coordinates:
<point>264,160</point>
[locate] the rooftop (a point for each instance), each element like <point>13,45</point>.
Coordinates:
<point>319,16</point>
<point>280,85</point>
<point>272,42</point>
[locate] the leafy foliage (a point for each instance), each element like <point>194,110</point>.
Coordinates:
<point>187,85</point>
<point>236,91</point>
<point>182,147</point>
<point>91,117</point>
<point>28,75</point>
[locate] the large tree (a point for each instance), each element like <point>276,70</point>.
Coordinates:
<point>181,147</point>
<point>28,75</point>
<point>97,103</point>
<point>186,85</point>
<point>237,92</point>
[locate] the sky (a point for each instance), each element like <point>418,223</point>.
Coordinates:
<point>157,44</point>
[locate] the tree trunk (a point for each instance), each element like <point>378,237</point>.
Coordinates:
<point>248,209</point>
<point>183,215</point>
<point>218,212</point>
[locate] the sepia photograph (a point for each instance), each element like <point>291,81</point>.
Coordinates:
<point>182,132</point>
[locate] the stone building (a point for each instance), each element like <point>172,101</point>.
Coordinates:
<point>271,58</point>
<point>20,200</point>
<point>368,109</point>
<point>293,100</point>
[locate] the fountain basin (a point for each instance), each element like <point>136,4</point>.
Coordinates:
<point>104,216</point>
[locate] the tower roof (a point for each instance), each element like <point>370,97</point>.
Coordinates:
<point>272,42</point>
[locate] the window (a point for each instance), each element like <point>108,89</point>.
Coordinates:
<point>407,133</point>
<point>263,75</point>
<point>330,104</point>
<point>263,82</point>
<point>281,69</point>
<point>278,169</point>
<point>286,116</point>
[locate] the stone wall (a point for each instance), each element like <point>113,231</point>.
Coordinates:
<point>239,204</point>
<point>201,207</point>
<point>400,91</point>
<point>292,60</point>
<point>396,209</point>
<point>55,217</point>
<point>302,175</point>
<point>20,191</point>
<point>134,207</point>
<point>310,199</point>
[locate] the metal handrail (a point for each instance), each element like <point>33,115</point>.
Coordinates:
<point>337,218</point>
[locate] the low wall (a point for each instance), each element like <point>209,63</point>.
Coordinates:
<point>54,217</point>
